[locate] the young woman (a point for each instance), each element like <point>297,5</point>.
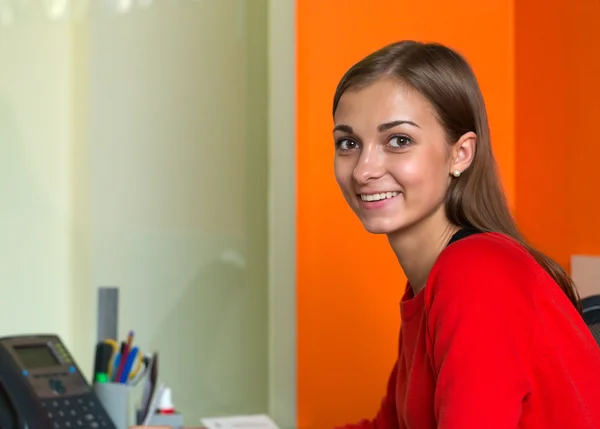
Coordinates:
<point>491,334</point>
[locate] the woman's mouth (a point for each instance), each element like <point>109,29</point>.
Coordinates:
<point>377,197</point>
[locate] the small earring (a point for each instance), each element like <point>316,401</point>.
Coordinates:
<point>456,173</point>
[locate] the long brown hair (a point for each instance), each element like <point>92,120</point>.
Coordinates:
<point>444,77</point>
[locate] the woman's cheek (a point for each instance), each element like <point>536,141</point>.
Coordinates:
<point>408,172</point>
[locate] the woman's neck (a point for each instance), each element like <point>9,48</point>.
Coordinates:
<point>418,247</point>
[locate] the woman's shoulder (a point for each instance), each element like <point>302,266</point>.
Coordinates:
<point>487,249</point>
<point>491,259</point>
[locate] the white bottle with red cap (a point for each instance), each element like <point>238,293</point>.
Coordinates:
<point>165,405</point>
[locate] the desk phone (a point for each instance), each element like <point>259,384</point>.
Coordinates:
<point>41,387</point>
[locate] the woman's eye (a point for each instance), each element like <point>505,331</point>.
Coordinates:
<point>400,141</point>
<point>346,144</point>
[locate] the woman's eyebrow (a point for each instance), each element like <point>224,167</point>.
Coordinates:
<point>381,128</point>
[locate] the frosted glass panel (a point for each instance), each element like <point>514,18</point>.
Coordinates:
<point>178,192</point>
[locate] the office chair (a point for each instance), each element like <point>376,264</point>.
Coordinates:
<point>591,314</point>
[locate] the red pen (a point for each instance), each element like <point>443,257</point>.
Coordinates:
<point>122,360</point>
<point>125,349</point>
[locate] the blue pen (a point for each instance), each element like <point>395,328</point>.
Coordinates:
<point>131,357</point>
<point>116,367</point>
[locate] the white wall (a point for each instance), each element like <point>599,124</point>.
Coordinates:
<point>36,211</point>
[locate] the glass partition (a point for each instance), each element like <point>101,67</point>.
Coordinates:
<point>178,192</point>
<point>134,139</point>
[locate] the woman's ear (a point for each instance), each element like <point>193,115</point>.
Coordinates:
<point>463,153</point>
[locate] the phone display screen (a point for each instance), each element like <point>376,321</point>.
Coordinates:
<point>36,356</point>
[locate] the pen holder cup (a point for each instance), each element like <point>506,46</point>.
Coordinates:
<point>115,399</point>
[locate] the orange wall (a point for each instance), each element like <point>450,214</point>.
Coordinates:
<point>349,284</point>
<point>557,68</point>
<point>584,135</point>
<point>540,63</point>
<point>540,74</point>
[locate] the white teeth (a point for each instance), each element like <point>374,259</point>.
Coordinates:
<point>378,197</point>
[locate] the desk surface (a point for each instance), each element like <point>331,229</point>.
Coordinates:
<point>163,427</point>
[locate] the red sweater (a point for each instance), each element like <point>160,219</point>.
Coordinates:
<point>491,342</point>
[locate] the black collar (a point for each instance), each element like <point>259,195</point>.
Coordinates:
<point>463,233</point>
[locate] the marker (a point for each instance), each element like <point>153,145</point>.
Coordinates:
<point>113,355</point>
<point>102,359</point>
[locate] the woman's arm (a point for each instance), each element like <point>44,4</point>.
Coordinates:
<point>478,340</point>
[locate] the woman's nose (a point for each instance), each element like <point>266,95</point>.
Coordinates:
<point>370,165</point>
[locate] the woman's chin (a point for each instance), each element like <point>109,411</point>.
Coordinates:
<point>381,226</point>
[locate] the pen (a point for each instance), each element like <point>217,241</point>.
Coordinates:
<point>130,339</point>
<point>131,358</point>
<point>122,360</point>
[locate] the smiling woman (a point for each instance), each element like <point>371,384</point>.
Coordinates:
<point>388,141</point>
<point>491,335</point>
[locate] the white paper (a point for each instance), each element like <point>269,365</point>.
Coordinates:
<point>256,421</point>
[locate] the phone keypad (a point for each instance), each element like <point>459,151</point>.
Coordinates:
<point>82,412</point>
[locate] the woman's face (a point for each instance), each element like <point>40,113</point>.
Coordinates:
<point>392,161</point>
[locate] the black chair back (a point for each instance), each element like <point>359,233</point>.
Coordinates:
<point>591,314</point>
